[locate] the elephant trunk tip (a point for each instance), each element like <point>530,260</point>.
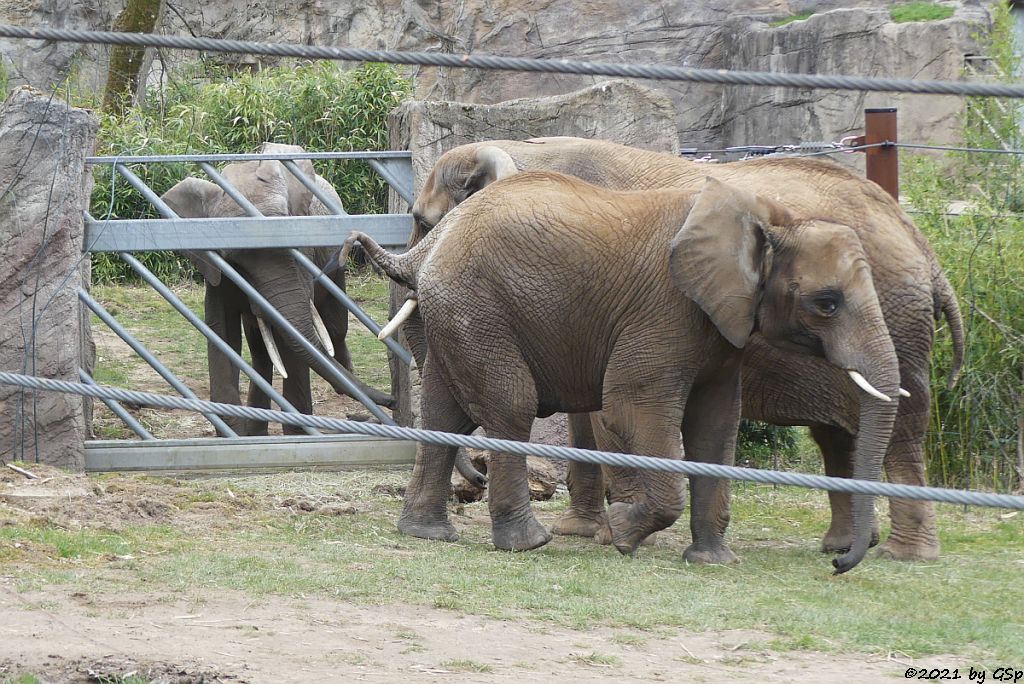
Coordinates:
<point>849,560</point>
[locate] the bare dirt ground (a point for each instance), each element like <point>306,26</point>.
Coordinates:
<point>64,633</point>
<point>230,638</point>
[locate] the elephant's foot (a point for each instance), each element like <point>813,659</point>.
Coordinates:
<point>604,537</point>
<point>414,526</point>
<point>578,525</point>
<point>718,554</point>
<point>896,549</point>
<point>518,532</point>
<point>840,541</point>
<point>913,536</point>
<point>628,528</point>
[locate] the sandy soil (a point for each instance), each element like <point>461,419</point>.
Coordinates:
<point>231,638</point>
<point>67,634</point>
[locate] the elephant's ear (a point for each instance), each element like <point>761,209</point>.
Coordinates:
<point>717,254</point>
<point>492,164</point>
<point>195,198</point>
<point>318,208</point>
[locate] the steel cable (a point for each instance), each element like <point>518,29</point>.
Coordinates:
<point>560,66</point>
<point>525,448</point>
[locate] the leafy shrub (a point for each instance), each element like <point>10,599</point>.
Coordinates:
<point>975,428</point>
<point>761,445</point>
<point>920,11</point>
<point>314,105</point>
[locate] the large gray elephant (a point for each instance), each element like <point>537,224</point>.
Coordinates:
<point>543,293</point>
<point>779,386</point>
<point>283,282</point>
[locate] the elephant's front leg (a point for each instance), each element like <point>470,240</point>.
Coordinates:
<point>262,364</point>
<point>586,515</point>
<point>425,512</point>
<point>913,535</point>
<point>296,387</point>
<point>659,497</point>
<point>710,423</point>
<point>223,316</point>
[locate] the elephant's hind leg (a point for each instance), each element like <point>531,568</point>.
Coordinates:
<point>507,411</point>
<point>425,513</point>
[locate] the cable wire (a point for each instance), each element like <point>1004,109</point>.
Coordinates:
<point>550,66</point>
<point>528,449</point>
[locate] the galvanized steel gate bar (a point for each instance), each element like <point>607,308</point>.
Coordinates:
<point>253,232</point>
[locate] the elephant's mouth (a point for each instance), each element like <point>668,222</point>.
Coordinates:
<point>798,342</point>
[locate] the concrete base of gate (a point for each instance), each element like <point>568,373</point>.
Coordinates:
<point>247,453</point>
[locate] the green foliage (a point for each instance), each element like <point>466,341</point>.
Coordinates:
<point>975,427</point>
<point>763,445</point>
<point>790,19</point>
<point>3,79</point>
<point>314,105</point>
<point>920,11</point>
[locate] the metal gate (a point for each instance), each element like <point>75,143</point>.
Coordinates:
<point>253,231</point>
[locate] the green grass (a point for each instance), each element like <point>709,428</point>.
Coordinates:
<point>920,11</point>
<point>596,659</point>
<point>790,19</point>
<point>463,665</point>
<point>369,356</point>
<point>153,321</point>
<point>182,348</point>
<point>22,679</point>
<point>967,603</point>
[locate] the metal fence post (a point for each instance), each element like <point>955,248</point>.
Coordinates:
<point>882,162</point>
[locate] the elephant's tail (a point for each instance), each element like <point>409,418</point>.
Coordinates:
<point>946,305</point>
<point>402,268</point>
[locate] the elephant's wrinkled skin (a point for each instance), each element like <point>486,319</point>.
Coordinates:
<point>543,293</point>
<point>778,386</point>
<point>276,275</point>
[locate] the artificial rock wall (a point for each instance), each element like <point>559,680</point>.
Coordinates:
<point>44,188</point>
<point>853,37</point>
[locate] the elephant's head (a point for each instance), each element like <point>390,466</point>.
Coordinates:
<point>803,285</point>
<point>274,191</point>
<point>458,174</point>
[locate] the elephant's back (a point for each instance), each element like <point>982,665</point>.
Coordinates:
<point>562,268</point>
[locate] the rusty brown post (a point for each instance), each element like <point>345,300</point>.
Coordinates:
<point>883,165</point>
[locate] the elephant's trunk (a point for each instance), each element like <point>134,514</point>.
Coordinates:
<point>290,294</point>
<point>879,365</point>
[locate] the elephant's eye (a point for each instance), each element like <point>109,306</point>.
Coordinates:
<point>827,302</point>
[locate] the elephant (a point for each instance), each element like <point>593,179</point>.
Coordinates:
<point>543,293</point>
<point>779,387</point>
<point>284,283</point>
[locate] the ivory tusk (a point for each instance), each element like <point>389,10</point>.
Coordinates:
<point>904,393</point>
<point>400,318</point>
<point>866,386</point>
<point>321,330</point>
<point>268,341</point>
